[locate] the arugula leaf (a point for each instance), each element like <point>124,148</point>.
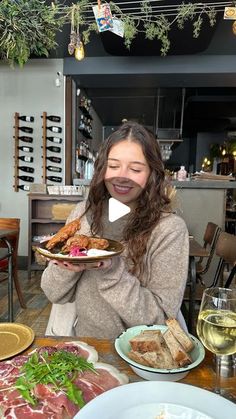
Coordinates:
<point>59,370</point>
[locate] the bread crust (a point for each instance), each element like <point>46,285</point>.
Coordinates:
<point>177,351</point>
<point>180,335</point>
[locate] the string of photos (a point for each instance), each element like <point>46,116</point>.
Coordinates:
<point>30,27</point>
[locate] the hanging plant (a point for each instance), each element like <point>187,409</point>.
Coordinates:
<point>27,27</point>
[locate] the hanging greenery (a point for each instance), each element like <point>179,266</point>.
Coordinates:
<point>29,27</point>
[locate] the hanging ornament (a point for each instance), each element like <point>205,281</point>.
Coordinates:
<point>73,37</point>
<point>234,27</point>
<point>79,47</point>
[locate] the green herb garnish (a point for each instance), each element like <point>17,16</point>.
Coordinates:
<point>58,369</point>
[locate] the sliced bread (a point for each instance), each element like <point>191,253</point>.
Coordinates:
<point>147,341</point>
<point>180,335</point>
<point>162,359</point>
<point>177,351</point>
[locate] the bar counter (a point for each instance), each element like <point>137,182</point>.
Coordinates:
<point>204,184</point>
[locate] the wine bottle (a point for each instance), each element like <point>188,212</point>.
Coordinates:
<point>54,169</point>
<point>26,178</point>
<point>25,139</point>
<point>24,187</point>
<point>54,118</point>
<point>26,129</point>
<point>26,169</point>
<point>26,118</point>
<point>27,159</point>
<point>27,149</point>
<point>54,149</point>
<point>54,178</point>
<point>55,140</point>
<point>55,129</point>
<point>54,159</point>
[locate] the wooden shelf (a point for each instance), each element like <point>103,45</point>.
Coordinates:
<point>42,209</point>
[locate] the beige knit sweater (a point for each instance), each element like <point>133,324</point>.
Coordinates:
<point>110,300</point>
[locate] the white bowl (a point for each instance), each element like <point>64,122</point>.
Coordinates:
<point>122,347</point>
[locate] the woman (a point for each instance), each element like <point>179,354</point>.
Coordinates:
<point>146,283</point>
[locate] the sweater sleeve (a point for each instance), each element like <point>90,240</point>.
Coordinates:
<point>166,270</point>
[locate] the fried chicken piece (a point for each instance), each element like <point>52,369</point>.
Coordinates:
<point>77,240</point>
<point>64,233</point>
<point>96,243</point>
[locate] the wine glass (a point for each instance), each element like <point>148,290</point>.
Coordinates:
<point>216,325</point>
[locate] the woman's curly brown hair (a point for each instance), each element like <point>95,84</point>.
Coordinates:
<point>150,202</point>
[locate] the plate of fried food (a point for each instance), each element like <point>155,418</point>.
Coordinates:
<point>70,246</point>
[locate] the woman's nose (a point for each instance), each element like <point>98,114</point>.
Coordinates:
<point>123,172</point>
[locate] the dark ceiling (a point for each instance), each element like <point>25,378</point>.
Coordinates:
<point>210,102</point>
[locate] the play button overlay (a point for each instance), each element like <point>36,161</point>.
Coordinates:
<point>116,209</point>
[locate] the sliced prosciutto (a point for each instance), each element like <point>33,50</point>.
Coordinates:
<point>51,401</point>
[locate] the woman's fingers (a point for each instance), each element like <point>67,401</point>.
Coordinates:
<point>106,263</point>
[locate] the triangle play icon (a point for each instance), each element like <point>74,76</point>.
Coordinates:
<point>116,209</point>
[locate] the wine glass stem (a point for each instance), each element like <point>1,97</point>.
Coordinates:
<point>217,387</point>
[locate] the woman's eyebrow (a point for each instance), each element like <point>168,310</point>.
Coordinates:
<point>132,162</point>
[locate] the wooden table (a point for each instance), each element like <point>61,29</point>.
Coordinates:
<point>202,376</point>
<point>195,251</point>
<point>6,253</point>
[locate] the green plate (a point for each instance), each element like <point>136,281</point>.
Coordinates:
<point>122,347</point>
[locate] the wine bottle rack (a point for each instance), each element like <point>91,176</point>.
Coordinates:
<point>16,156</point>
<point>54,147</point>
<point>19,148</point>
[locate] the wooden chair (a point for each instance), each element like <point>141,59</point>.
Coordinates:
<point>226,250</point>
<point>210,240</point>
<point>12,224</point>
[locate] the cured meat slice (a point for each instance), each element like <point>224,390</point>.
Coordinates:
<point>107,376</point>
<point>51,403</point>
<point>81,349</point>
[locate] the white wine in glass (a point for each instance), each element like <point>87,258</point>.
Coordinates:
<point>216,324</point>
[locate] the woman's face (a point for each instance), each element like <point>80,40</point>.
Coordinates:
<point>127,171</point>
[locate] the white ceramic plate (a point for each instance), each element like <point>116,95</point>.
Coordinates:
<point>147,399</point>
<point>122,347</point>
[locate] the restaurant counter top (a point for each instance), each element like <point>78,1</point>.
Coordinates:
<point>204,184</point>
<point>191,184</point>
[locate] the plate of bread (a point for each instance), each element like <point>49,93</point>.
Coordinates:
<point>160,352</point>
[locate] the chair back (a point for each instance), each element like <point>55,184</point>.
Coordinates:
<point>226,250</point>
<point>210,233</point>
<point>11,224</point>
<point>210,239</point>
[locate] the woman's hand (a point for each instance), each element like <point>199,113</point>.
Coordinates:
<point>106,263</point>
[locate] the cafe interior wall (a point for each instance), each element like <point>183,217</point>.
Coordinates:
<point>31,90</point>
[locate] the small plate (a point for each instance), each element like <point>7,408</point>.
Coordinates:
<point>14,338</point>
<point>114,249</point>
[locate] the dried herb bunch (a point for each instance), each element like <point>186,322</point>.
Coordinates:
<point>27,27</point>
<point>30,26</point>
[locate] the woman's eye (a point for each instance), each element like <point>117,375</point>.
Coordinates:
<point>113,167</point>
<point>136,170</point>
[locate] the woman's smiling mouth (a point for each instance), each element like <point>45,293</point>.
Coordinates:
<point>122,189</point>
